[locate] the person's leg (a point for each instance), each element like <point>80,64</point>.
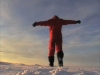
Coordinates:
<point>60,53</point>
<point>51,61</point>
<point>60,56</point>
<point>58,46</point>
<point>51,53</point>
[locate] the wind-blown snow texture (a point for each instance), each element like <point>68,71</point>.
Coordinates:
<point>15,69</point>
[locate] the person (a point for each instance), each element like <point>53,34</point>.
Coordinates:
<point>55,27</point>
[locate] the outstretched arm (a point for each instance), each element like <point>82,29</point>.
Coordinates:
<point>41,23</point>
<point>65,22</point>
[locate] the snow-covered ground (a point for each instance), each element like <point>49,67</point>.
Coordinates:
<point>15,69</point>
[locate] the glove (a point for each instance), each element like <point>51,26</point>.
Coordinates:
<point>78,21</point>
<point>34,24</point>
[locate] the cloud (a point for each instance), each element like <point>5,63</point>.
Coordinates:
<point>84,58</point>
<point>24,46</point>
<point>10,21</point>
<point>8,12</point>
<point>77,42</point>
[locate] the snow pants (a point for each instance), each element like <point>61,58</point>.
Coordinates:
<point>55,45</point>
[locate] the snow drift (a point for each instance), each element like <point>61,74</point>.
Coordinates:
<point>21,69</point>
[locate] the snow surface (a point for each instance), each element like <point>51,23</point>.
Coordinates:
<point>20,69</point>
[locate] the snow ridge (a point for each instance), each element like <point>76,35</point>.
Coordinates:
<point>15,69</point>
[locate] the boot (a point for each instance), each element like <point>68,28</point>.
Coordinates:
<point>60,56</point>
<point>51,61</point>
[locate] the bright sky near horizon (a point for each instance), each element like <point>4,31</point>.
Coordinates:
<point>22,43</point>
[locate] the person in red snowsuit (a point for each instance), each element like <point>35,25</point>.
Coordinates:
<point>55,26</point>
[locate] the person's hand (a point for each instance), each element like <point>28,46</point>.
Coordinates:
<point>34,24</point>
<point>78,21</point>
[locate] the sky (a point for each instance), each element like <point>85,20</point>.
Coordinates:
<point>22,43</point>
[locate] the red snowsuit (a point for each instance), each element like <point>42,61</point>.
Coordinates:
<point>55,25</point>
